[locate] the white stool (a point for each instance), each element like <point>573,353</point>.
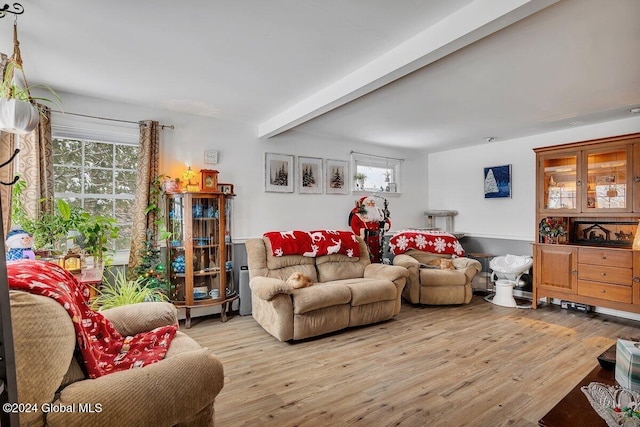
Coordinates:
<point>504,293</point>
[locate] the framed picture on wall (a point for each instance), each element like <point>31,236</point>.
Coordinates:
<point>278,169</point>
<point>336,176</point>
<point>497,182</point>
<point>310,175</point>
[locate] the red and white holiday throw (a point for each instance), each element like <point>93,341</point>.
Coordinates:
<point>103,349</point>
<point>439,242</point>
<point>313,243</point>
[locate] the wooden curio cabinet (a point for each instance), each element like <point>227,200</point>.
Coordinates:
<point>592,188</point>
<point>199,251</point>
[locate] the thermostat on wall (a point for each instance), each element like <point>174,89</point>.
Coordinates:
<point>210,156</point>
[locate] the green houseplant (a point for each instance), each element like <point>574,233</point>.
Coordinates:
<point>125,291</point>
<point>95,233</point>
<point>19,112</point>
<point>154,208</point>
<point>360,177</point>
<point>50,228</point>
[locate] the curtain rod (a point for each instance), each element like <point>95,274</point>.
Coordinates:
<point>380,157</point>
<point>111,120</point>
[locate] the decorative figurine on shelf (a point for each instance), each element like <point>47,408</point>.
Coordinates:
<point>370,222</point>
<point>179,264</point>
<point>19,245</point>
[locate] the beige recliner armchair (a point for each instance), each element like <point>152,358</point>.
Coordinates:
<point>178,390</point>
<point>434,286</point>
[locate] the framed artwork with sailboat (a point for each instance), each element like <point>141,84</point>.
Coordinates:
<point>497,182</point>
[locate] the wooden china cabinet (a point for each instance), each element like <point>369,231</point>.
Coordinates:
<point>592,188</point>
<point>199,251</point>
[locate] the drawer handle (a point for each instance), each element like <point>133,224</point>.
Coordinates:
<point>603,274</point>
<point>603,291</point>
<point>604,257</point>
<point>574,272</point>
<point>636,179</point>
<point>636,279</point>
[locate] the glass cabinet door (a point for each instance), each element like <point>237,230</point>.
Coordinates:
<point>607,180</point>
<point>207,260</point>
<point>176,250</point>
<point>560,183</point>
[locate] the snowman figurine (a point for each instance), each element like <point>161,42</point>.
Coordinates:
<point>19,245</point>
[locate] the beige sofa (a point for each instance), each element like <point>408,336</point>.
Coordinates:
<point>178,390</point>
<point>346,291</point>
<point>433,286</point>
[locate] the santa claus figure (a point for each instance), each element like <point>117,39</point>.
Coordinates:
<point>370,222</point>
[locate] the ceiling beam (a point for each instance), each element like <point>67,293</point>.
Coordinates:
<point>465,26</point>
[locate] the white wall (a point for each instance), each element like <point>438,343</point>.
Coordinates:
<point>241,162</point>
<point>456,180</point>
<point>445,180</point>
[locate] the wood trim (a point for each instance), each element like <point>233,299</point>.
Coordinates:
<point>585,144</point>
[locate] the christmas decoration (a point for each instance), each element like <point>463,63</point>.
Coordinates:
<point>150,269</point>
<point>18,245</point>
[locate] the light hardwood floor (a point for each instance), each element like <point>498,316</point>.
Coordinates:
<point>477,364</point>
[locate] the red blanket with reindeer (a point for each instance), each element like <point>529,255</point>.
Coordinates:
<point>103,349</point>
<point>313,243</point>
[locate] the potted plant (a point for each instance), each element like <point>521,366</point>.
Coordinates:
<point>18,108</point>
<point>360,177</point>
<point>49,230</point>
<point>124,291</point>
<point>95,232</point>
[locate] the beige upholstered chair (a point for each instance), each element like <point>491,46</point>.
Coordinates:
<point>178,390</point>
<point>434,286</point>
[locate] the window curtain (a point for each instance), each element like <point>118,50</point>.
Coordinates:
<point>35,165</point>
<point>7,146</point>
<point>148,155</point>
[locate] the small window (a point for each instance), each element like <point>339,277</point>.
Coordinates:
<point>375,173</point>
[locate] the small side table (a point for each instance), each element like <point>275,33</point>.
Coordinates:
<point>92,278</point>
<point>484,260</point>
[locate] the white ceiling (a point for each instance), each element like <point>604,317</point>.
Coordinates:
<point>430,74</point>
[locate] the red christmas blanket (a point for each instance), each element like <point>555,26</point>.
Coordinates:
<point>439,242</point>
<point>103,349</point>
<point>313,243</point>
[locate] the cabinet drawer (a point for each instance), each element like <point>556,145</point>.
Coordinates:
<point>601,273</point>
<point>616,293</point>
<point>605,257</point>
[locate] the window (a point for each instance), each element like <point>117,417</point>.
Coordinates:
<point>375,173</point>
<point>94,167</point>
<point>100,177</point>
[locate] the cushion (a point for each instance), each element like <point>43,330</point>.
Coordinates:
<point>320,295</point>
<point>434,241</point>
<point>367,291</point>
<point>437,277</point>
<point>281,267</point>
